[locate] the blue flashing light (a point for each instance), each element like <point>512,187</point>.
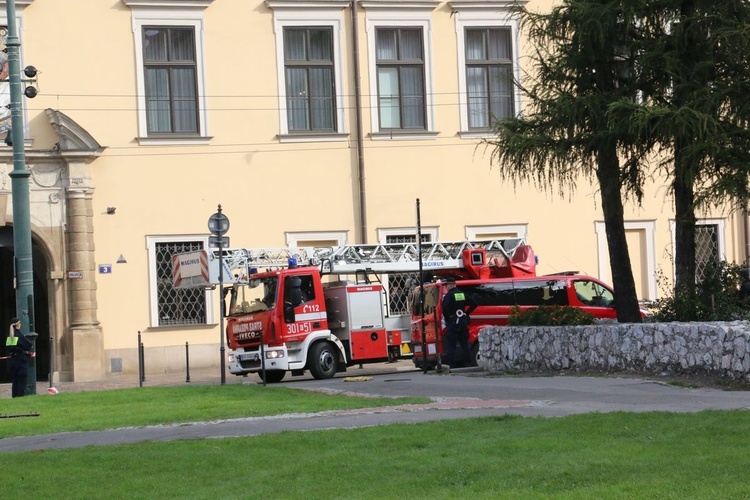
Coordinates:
<point>292,262</point>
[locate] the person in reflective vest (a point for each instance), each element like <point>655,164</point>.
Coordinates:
<point>457,306</point>
<point>19,349</point>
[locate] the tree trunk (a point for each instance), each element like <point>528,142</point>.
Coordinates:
<point>684,172</point>
<point>684,250</point>
<point>608,174</point>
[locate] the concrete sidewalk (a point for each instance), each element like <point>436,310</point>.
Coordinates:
<point>202,376</point>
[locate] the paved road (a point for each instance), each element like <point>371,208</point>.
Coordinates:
<point>549,395</point>
<point>458,395</point>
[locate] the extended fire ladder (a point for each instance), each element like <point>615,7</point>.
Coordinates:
<point>239,263</point>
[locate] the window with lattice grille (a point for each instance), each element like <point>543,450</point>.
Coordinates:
<point>177,307</point>
<point>400,285</point>
<point>706,248</point>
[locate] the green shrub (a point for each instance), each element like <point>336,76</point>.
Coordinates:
<point>715,298</point>
<point>550,316</point>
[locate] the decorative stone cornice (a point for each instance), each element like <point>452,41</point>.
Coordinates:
<point>71,136</point>
<point>400,4</point>
<point>306,4</point>
<point>19,3</point>
<point>175,4</point>
<point>74,144</point>
<point>486,4</point>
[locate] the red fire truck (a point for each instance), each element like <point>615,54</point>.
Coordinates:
<point>325,308</point>
<point>495,298</point>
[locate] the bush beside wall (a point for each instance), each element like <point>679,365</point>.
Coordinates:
<point>720,348</point>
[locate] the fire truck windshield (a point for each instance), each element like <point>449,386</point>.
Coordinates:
<point>247,300</point>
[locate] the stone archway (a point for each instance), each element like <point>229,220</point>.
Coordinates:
<point>61,190</point>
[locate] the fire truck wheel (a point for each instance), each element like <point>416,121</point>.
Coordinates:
<point>273,376</point>
<point>322,360</point>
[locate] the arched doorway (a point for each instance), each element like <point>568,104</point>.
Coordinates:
<point>41,302</point>
<point>62,176</point>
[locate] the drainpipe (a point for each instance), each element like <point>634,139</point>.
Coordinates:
<point>360,140</point>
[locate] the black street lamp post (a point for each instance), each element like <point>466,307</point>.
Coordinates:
<point>24,269</point>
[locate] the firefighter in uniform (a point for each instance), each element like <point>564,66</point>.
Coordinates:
<point>19,349</point>
<point>457,306</point>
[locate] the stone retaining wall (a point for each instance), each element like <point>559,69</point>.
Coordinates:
<point>721,349</point>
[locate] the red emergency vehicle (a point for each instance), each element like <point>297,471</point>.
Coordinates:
<point>288,318</point>
<point>495,298</point>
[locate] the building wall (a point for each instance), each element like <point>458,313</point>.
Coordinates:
<point>267,186</point>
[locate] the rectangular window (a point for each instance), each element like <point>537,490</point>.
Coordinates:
<point>309,75</point>
<point>706,248</point>
<point>170,74</point>
<point>176,307</point>
<point>400,78</point>
<point>541,293</point>
<point>401,285</point>
<point>492,294</point>
<point>489,76</point>
<point>299,289</point>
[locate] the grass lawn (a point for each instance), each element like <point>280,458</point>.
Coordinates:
<point>96,410</point>
<point>618,455</point>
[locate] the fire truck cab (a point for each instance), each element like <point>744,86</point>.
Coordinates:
<point>280,315</point>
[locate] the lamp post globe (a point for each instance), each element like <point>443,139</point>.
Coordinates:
<point>218,223</point>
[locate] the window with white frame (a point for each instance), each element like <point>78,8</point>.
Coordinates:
<point>171,79</point>
<point>296,239</point>
<point>642,256</point>
<point>706,249</point>
<point>407,234</point>
<point>710,244</point>
<point>496,231</point>
<point>170,76</point>
<point>308,70</point>
<point>489,76</point>
<point>488,68</point>
<point>172,306</point>
<point>400,67</point>
<point>400,286</point>
<point>308,55</point>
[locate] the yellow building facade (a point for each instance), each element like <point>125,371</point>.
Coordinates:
<point>309,122</point>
